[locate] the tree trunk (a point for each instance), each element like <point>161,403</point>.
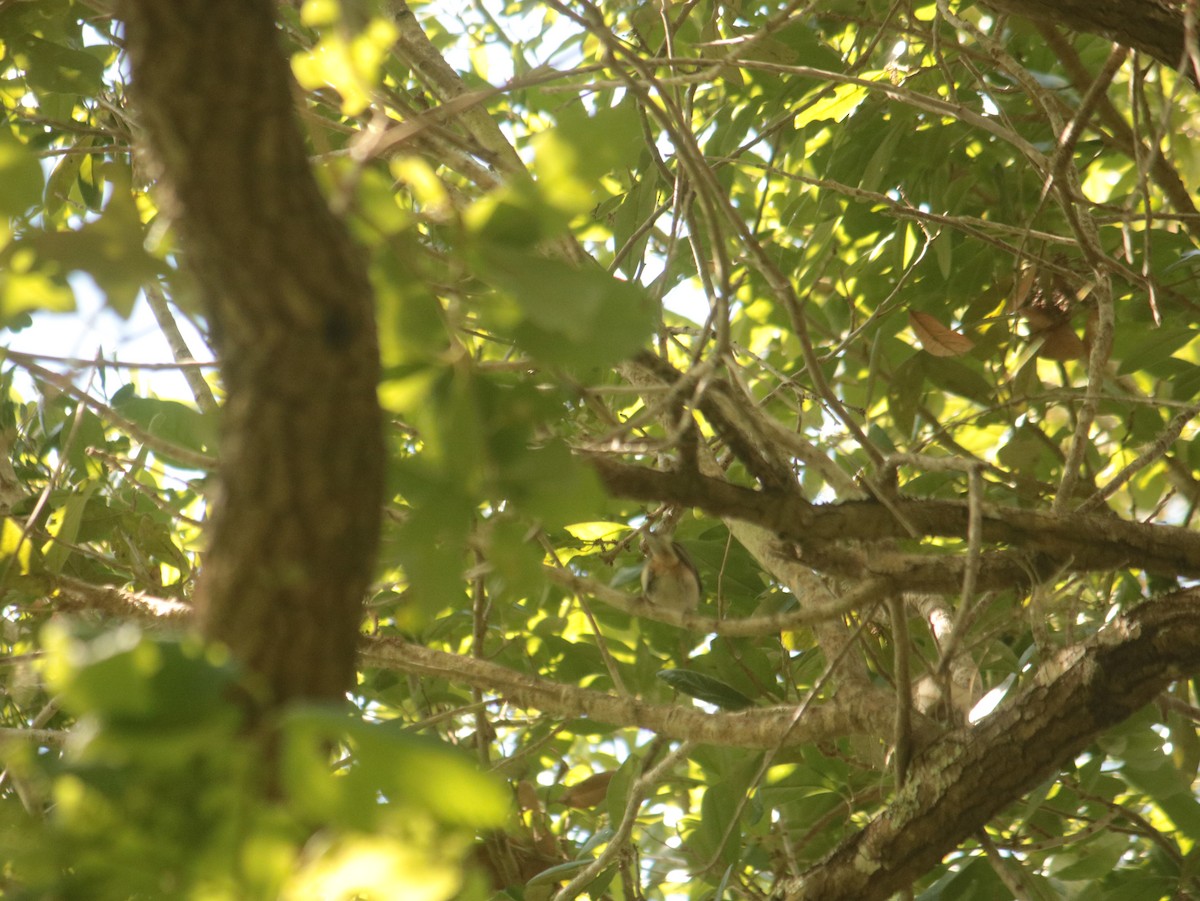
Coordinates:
<point>294,522</point>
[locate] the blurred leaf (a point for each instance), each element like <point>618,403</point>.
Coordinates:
<point>349,63</point>
<point>20,177</point>
<point>109,249</point>
<point>401,767</point>
<point>169,420</point>
<point>55,68</point>
<point>514,216</point>
<point>572,158</point>
<point>411,328</point>
<point>131,682</point>
<point>550,484</point>
<point>380,866</point>
<point>578,317</point>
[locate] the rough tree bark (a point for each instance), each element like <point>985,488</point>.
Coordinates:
<point>295,519</point>
<point>966,777</point>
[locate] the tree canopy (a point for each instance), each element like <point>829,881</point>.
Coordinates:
<point>881,310</point>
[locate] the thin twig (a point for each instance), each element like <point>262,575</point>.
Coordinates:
<point>1153,451</point>
<point>616,845</point>
<point>201,391</point>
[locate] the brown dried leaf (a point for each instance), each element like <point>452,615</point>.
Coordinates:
<point>589,792</point>
<point>527,796</point>
<point>1061,343</point>
<point>938,340</point>
<point>1023,286</point>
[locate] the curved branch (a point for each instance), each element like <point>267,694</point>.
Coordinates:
<point>964,778</point>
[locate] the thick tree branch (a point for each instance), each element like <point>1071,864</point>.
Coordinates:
<point>1075,542</point>
<point>74,595</point>
<point>964,778</point>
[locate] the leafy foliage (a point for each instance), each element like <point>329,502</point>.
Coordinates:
<point>924,271</point>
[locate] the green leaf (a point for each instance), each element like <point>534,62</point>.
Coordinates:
<point>723,815</point>
<point>170,421</point>
<point>957,378</point>
<point>65,529</point>
<point>904,394</point>
<point>706,688</point>
<point>110,249</point>
<point>20,177</point>
<point>1170,790</point>
<point>881,160</point>
<point>836,104</point>
<point>14,546</point>
<point>57,69</point>
<point>579,317</point>
<point>633,213</point>
<point>400,767</point>
<point>1092,859</point>
<point>621,786</point>
<point>1139,351</point>
<point>129,681</point>
<point>573,156</point>
<point>974,880</point>
<point>559,873</point>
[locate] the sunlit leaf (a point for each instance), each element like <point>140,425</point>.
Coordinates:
<point>836,105</point>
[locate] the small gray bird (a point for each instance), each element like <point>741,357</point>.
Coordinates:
<point>669,578</point>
